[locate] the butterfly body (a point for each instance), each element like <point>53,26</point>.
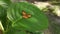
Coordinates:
<point>25,15</point>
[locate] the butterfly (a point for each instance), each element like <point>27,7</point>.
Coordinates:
<point>25,15</point>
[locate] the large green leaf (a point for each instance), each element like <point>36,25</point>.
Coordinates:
<point>37,22</point>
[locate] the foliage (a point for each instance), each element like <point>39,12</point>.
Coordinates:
<point>13,20</point>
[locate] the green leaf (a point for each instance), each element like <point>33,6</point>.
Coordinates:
<point>15,31</point>
<point>7,1</point>
<point>3,4</point>
<point>3,15</point>
<point>37,22</point>
<point>2,11</point>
